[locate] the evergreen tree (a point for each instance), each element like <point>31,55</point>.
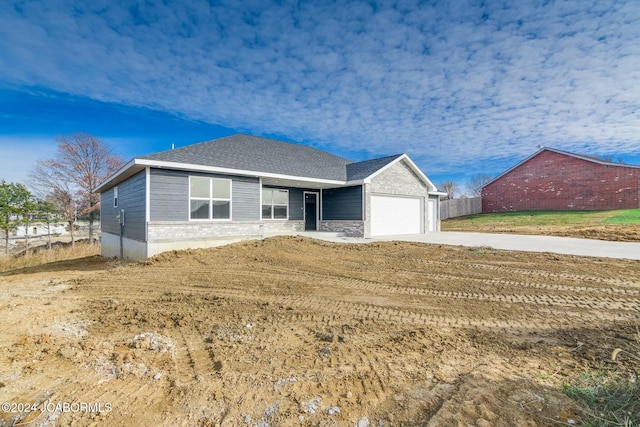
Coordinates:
<point>15,206</point>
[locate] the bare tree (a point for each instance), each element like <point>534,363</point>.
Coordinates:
<point>81,163</point>
<point>47,213</point>
<point>51,180</point>
<point>476,183</point>
<point>66,207</point>
<point>449,187</point>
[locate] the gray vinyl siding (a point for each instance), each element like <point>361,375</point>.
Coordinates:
<point>131,199</point>
<point>246,203</point>
<point>342,203</point>
<point>108,221</point>
<point>170,195</point>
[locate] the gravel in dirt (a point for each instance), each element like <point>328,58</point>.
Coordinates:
<point>291,331</point>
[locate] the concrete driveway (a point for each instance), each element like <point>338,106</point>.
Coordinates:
<point>515,242</point>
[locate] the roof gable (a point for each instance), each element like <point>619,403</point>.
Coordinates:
<point>416,170</point>
<point>360,170</point>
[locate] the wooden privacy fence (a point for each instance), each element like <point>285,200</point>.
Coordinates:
<point>460,207</point>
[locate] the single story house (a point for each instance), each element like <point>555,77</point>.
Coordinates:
<point>552,179</point>
<point>39,229</point>
<point>244,186</point>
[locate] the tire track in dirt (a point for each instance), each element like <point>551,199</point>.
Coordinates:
<point>532,271</point>
<point>544,312</point>
<point>576,300</point>
<point>545,300</point>
<point>183,363</point>
<point>133,393</point>
<point>564,288</point>
<point>452,278</point>
<point>552,275</point>
<point>571,308</point>
<point>193,362</point>
<point>496,284</point>
<point>345,309</point>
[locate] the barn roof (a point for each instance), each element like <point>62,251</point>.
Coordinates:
<point>565,153</point>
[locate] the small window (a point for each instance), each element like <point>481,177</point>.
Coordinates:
<point>275,203</point>
<point>210,198</point>
<point>115,197</point>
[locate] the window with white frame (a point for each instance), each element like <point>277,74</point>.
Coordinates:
<point>115,196</point>
<point>209,198</point>
<point>275,203</point>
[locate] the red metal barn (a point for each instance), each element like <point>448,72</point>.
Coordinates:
<point>557,180</point>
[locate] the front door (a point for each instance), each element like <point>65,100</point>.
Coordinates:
<point>310,211</point>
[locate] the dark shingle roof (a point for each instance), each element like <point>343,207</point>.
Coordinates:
<point>251,153</point>
<point>360,170</point>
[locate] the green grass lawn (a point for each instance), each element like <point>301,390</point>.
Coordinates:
<point>548,218</point>
<point>625,217</point>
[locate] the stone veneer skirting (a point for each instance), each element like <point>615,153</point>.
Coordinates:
<point>166,236</point>
<point>348,228</point>
<point>280,226</point>
<point>170,231</point>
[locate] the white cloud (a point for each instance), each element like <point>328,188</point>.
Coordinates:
<point>454,84</point>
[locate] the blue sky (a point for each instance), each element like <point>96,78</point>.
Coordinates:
<point>463,87</point>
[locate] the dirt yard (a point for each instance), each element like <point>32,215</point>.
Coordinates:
<point>614,233</point>
<point>290,331</point>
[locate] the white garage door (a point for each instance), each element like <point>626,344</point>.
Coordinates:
<point>395,215</point>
